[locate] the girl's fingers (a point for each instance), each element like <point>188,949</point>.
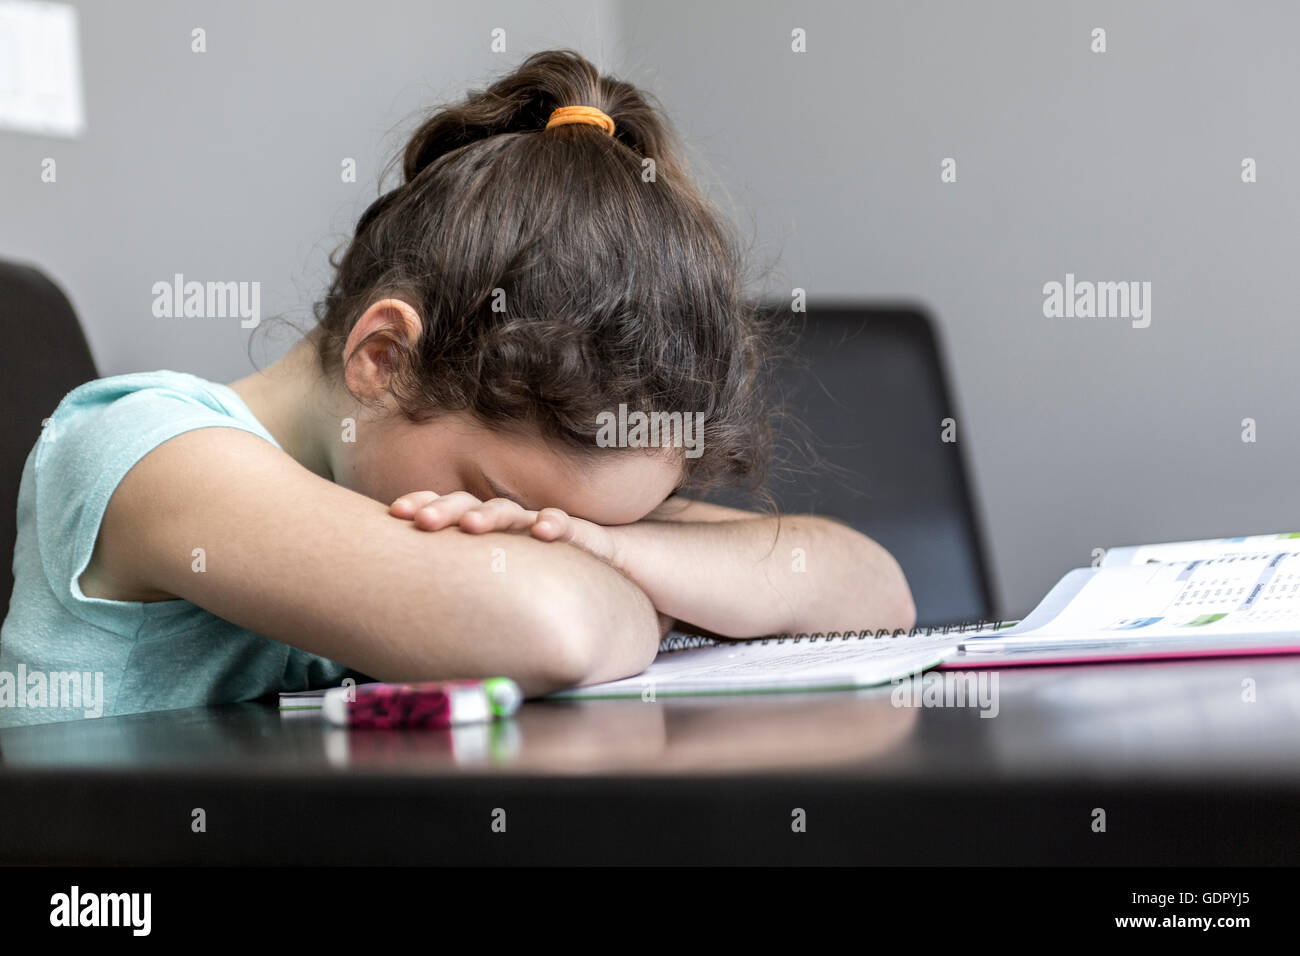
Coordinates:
<point>553,525</point>
<point>445,511</point>
<point>498,514</point>
<point>430,511</point>
<point>407,505</point>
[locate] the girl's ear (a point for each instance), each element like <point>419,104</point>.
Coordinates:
<point>382,339</point>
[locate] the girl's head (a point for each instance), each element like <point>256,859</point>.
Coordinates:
<point>494,311</point>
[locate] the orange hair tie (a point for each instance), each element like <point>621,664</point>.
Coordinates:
<point>581,114</point>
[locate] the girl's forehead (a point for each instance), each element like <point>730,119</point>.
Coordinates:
<point>608,486</point>
<point>618,487</point>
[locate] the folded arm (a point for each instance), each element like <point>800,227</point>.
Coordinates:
<point>301,560</point>
<point>720,570</point>
<point>741,574</point>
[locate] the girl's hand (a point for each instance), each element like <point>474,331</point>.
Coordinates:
<point>430,511</point>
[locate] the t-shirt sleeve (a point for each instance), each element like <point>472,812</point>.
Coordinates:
<point>82,455</point>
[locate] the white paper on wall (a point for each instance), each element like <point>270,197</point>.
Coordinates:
<point>40,68</point>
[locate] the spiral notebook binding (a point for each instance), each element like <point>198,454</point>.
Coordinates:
<point>683,642</point>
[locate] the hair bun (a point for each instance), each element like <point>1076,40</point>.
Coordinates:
<point>525,100</point>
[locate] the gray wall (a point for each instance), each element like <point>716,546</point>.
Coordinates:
<point>225,165</point>
<point>1125,165</point>
<point>1082,433</point>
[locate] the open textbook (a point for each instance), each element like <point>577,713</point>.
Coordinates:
<point>1187,599</point>
<point>1222,597</point>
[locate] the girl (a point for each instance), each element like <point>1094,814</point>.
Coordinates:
<point>419,488</point>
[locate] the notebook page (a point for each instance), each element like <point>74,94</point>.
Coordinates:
<point>1209,548</point>
<point>1233,596</point>
<point>754,667</point>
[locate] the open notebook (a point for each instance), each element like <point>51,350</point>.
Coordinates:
<point>1231,596</point>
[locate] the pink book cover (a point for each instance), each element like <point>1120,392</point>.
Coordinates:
<point>1106,654</point>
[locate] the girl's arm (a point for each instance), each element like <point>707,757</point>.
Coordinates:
<point>729,572</point>
<point>301,560</point>
<point>740,574</point>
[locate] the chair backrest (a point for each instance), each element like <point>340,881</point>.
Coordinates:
<point>868,394</point>
<point>45,356</point>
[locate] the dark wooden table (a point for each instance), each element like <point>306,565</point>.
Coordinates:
<point>1186,767</point>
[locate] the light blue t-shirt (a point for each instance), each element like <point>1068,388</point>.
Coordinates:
<point>65,656</point>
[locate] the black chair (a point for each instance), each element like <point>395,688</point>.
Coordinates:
<point>867,397</point>
<point>45,357</point>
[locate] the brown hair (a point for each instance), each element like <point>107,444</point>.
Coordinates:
<point>555,280</point>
